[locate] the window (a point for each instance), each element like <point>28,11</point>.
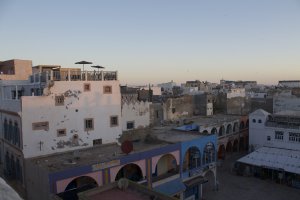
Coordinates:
<point>61,132</point>
<point>254,120</point>
<point>97,142</point>
<point>259,121</point>
<point>294,137</point>
<point>89,124</point>
<point>107,89</point>
<point>173,110</point>
<point>40,126</point>
<point>268,138</point>
<point>278,135</point>
<point>114,121</point>
<point>157,114</point>
<point>87,87</point>
<point>130,125</point>
<point>59,100</point>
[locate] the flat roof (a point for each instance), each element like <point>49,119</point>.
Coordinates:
<point>214,119</point>
<point>275,158</point>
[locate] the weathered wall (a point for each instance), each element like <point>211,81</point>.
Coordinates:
<point>156,114</point>
<point>176,108</point>
<point>265,104</point>
<point>282,103</point>
<point>78,105</point>
<point>238,106</point>
<point>137,112</point>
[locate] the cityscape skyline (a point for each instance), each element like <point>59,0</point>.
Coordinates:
<point>154,42</point>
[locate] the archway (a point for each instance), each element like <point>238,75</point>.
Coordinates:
<point>81,182</point>
<point>209,186</point>
<point>130,171</point>
<point>221,152</point>
<point>192,158</point>
<point>208,153</point>
<point>214,131</point>
<point>221,131</point>
<point>76,186</point>
<point>229,147</point>
<point>242,125</point>
<point>242,144</point>
<point>229,129</point>
<point>166,165</point>
<point>205,132</point>
<point>236,127</point>
<point>235,146</point>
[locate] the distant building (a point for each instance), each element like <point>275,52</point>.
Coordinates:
<point>286,101</point>
<point>166,88</point>
<point>15,69</point>
<point>289,83</point>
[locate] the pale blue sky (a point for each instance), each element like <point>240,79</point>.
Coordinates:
<point>158,40</point>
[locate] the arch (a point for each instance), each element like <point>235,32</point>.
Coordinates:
<point>229,129</point>
<point>242,144</point>
<point>5,125</point>
<point>208,153</point>
<point>235,146</point>
<point>221,131</point>
<point>235,127</point>
<point>10,130</point>
<point>229,147</point>
<point>242,125</point>
<point>130,171</point>
<point>214,130</point>
<point>82,182</point>
<point>205,132</point>
<point>221,152</point>
<point>210,185</point>
<point>192,158</point>
<point>166,164</point>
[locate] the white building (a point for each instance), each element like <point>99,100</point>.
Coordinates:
<point>275,142</point>
<point>167,87</point>
<point>135,114</point>
<point>56,112</point>
<point>289,83</point>
<point>286,101</point>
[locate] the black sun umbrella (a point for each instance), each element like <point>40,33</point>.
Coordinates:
<point>98,67</point>
<point>83,63</point>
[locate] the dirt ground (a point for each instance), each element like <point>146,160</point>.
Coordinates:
<point>234,187</point>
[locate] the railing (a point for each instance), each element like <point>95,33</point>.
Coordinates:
<point>73,75</point>
<point>287,125</point>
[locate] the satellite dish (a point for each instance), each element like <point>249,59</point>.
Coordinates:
<point>127,147</point>
<point>123,184</point>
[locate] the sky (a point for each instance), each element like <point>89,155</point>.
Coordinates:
<point>157,41</point>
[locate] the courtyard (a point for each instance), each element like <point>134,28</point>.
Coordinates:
<point>234,187</point>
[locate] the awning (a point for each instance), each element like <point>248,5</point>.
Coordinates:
<point>171,188</point>
<point>274,158</point>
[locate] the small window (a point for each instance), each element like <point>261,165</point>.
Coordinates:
<point>130,125</point>
<point>259,121</point>
<point>40,126</point>
<point>89,124</point>
<point>254,120</point>
<point>173,110</point>
<point>59,100</point>
<point>114,121</point>
<point>97,142</point>
<point>61,132</point>
<point>87,87</point>
<point>107,89</point>
<point>268,138</point>
<point>157,114</point>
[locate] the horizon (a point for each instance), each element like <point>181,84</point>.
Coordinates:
<point>156,42</point>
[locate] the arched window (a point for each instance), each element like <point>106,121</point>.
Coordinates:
<point>5,125</point>
<point>259,121</point>
<point>10,130</point>
<point>16,135</point>
<point>254,120</point>
<point>209,153</point>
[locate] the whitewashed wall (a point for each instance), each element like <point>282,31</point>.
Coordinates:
<point>78,105</point>
<point>138,112</point>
